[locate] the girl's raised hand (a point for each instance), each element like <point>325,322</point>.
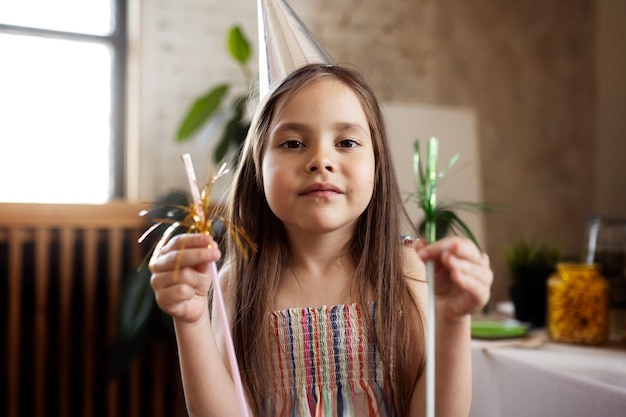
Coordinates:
<point>463,275</point>
<point>181,276</point>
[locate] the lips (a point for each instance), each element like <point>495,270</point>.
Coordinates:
<point>321,189</point>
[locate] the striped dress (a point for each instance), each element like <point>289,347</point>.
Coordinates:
<point>324,366</point>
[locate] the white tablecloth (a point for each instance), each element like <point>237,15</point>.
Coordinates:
<point>551,381</point>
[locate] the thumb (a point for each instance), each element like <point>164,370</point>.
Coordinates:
<point>419,243</point>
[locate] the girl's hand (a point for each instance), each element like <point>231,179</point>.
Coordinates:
<point>181,276</point>
<point>463,276</point>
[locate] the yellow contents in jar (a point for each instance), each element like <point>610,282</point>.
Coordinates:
<point>577,309</point>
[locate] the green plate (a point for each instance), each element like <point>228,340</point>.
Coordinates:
<point>489,329</point>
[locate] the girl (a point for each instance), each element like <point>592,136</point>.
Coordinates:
<point>327,316</point>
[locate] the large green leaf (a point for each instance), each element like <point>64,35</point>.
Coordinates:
<point>136,311</point>
<point>201,110</point>
<point>235,131</point>
<point>136,304</point>
<point>238,45</point>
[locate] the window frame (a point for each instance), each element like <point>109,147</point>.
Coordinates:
<point>117,41</point>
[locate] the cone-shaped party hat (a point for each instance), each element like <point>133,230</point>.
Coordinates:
<point>285,44</point>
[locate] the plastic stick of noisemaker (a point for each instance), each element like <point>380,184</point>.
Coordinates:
<point>217,293</point>
<point>193,186</point>
<point>431,236</point>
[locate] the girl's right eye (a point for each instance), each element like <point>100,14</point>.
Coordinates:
<point>292,144</point>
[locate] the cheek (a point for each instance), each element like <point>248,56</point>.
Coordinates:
<point>273,182</point>
<point>368,170</point>
<point>364,174</point>
<point>268,169</point>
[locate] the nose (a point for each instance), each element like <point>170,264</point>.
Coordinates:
<point>321,161</point>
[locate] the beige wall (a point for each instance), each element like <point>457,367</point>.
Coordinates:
<point>610,185</point>
<point>540,75</point>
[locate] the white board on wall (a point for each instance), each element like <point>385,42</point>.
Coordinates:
<point>457,131</point>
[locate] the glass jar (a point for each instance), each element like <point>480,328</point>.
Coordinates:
<point>606,246</point>
<point>577,304</point>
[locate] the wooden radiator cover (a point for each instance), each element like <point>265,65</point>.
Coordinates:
<point>61,271</point>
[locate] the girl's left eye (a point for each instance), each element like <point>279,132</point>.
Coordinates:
<point>348,143</point>
<point>292,144</point>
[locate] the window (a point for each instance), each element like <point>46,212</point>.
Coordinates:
<point>62,100</point>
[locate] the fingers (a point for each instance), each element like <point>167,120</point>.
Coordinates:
<point>185,260</point>
<point>169,293</point>
<point>469,276</point>
<point>179,300</point>
<point>181,278</point>
<point>418,243</point>
<point>468,268</point>
<point>463,274</point>
<point>459,247</point>
<point>190,241</point>
<point>189,250</point>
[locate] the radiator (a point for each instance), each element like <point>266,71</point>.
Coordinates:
<point>61,271</point>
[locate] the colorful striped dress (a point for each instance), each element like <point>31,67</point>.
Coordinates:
<point>324,366</point>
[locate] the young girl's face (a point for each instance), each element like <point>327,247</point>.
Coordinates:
<point>318,163</point>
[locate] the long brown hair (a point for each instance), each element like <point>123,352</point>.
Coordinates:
<point>376,251</point>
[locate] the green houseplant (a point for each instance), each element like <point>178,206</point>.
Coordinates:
<point>215,105</point>
<point>139,320</point>
<point>530,264</point>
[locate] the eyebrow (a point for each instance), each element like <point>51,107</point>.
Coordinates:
<point>338,127</point>
<point>343,126</point>
<point>289,126</point>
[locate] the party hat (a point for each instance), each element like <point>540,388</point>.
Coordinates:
<point>285,44</point>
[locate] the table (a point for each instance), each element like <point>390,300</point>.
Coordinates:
<point>551,380</point>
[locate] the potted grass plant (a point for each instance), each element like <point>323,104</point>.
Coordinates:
<point>530,264</point>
